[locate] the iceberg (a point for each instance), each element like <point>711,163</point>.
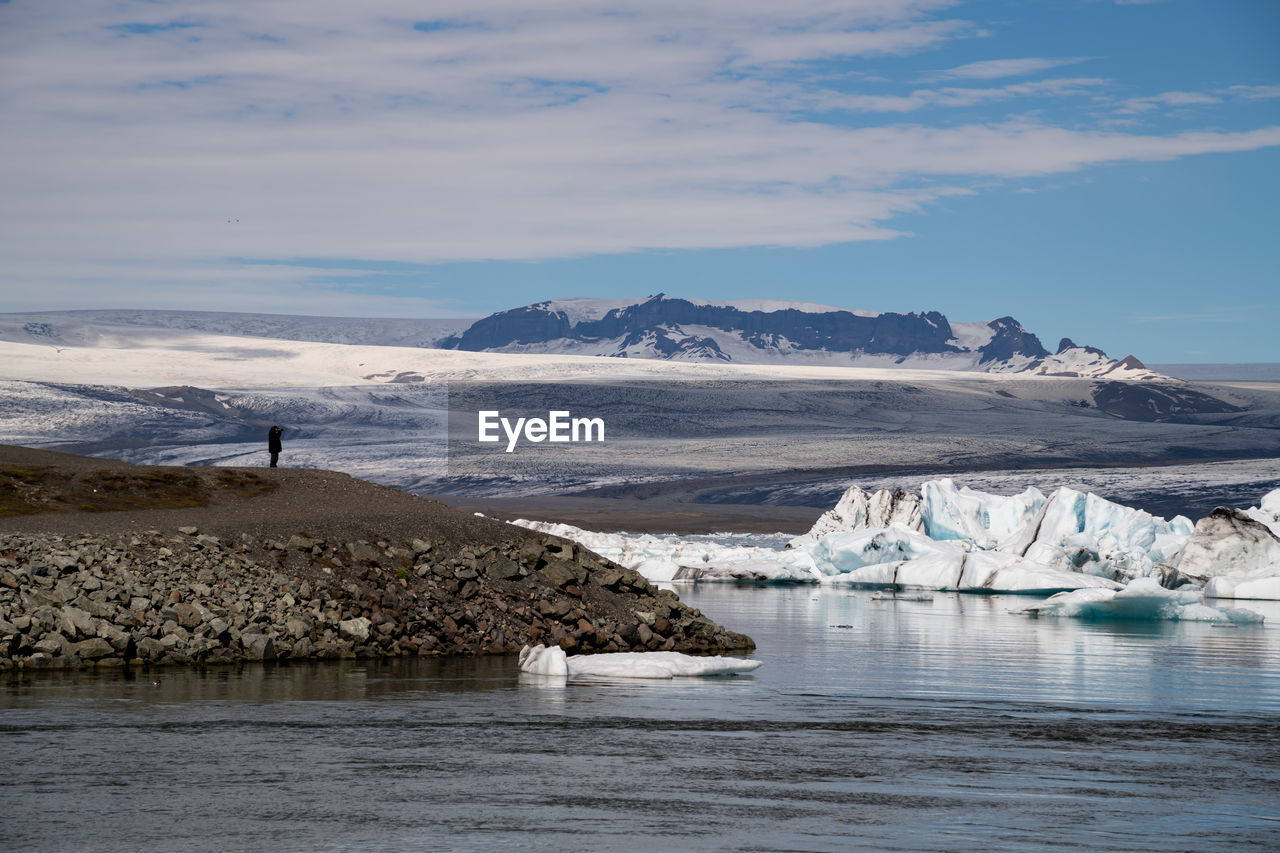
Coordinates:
<point>995,571</point>
<point>668,558</point>
<point>1229,542</point>
<point>1263,584</point>
<point>990,522</point>
<point>858,509</point>
<point>1268,511</point>
<point>976,571</point>
<point>552,661</point>
<point>1090,534</point>
<point>797,569</point>
<point>960,539</point>
<point>842,553</point>
<point>935,572</point>
<point>1143,599</point>
<point>1234,555</point>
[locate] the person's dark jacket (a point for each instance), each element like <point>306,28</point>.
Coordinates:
<point>273,439</point>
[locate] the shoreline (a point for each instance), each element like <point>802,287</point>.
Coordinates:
<point>294,564</point>
<point>94,601</point>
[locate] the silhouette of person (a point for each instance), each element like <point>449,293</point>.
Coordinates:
<point>273,443</point>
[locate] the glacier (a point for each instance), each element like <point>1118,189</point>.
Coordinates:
<point>959,539</point>
<point>552,661</point>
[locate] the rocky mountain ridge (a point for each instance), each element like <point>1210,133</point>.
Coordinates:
<point>663,327</point>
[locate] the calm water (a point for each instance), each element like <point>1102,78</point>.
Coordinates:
<point>897,725</point>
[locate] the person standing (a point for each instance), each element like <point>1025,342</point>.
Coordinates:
<point>273,443</point>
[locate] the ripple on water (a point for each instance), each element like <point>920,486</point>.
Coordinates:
<point>947,724</point>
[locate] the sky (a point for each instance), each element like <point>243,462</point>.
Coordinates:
<point>1105,170</point>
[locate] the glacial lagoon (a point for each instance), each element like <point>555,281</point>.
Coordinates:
<point>886,723</point>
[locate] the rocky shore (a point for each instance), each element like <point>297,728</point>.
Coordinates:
<point>317,566</point>
<point>193,598</point>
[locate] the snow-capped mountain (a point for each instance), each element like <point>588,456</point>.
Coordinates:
<point>776,332</point>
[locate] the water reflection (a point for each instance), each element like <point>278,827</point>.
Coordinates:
<point>979,647</point>
<point>885,724</point>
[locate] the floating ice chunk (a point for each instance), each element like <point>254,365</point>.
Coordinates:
<point>1069,531</point>
<point>1263,585</point>
<point>974,571</point>
<point>876,575</point>
<point>668,558</point>
<point>1104,538</point>
<point>988,521</point>
<point>977,542</point>
<point>902,596</point>
<point>799,569</point>
<point>997,571</point>
<point>657,569</point>
<point>544,660</point>
<point>540,660</point>
<point>1143,599</point>
<point>937,572</point>
<point>1228,542</point>
<point>1070,512</point>
<point>932,571</point>
<point>840,553</point>
<point>858,509</point>
<point>1268,512</point>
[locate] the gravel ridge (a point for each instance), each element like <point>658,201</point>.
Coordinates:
<point>318,565</point>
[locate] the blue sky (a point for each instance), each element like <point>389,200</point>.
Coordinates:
<point>1098,169</point>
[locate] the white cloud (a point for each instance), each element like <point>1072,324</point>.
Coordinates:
<point>955,96</point>
<point>516,131</point>
<point>1166,99</point>
<point>991,69</point>
<point>1253,93</point>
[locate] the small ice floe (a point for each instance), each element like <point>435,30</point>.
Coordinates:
<point>551,660</point>
<point>888,595</point>
<point>1143,599</point>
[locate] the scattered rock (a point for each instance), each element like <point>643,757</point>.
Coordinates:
<point>258,647</point>
<point>149,599</point>
<point>354,629</point>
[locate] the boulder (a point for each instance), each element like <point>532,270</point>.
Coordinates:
<point>559,573</point>
<point>258,647</point>
<point>76,622</point>
<point>187,615</point>
<point>356,629</point>
<point>150,649</point>
<point>51,644</point>
<point>93,649</point>
<point>363,552</point>
<point>502,569</point>
<point>65,563</point>
<point>117,637</point>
